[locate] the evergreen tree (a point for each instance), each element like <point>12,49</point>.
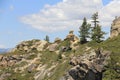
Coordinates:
<point>47,38</point>
<point>84,31</point>
<point>97,33</point>
<point>95,19</point>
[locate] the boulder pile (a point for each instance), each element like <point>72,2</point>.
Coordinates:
<point>89,66</point>
<point>28,46</point>
<point>7,61</point>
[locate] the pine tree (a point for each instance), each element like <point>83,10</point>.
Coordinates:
<point>97,33</point>
<point>95,19</point>
<point>47,38</point>
<point>84,31</point>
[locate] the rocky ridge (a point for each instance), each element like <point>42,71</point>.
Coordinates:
<point>115,27</point>
<point>89,66</point>
<point>27,56</point>
<point>61,60</point>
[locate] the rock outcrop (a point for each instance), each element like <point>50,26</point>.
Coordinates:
<point>28,46</point>
<point>74,40</point>
<point>115,27</point>
<point>53,47</point>
<point>41,60</point>
<point>57,40</point>
<point>7,61</point>
<point>89,66</point>
<point>4,75</point>
<point>72,37</point>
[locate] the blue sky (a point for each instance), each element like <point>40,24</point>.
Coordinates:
<point>20,20</point>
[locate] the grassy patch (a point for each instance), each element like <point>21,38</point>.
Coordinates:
<point>21,76</point>
<point>48,57</point>
<point>60,71</point>
<point>32,56</point>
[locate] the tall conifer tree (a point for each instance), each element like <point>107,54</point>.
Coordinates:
<point>96,32</point>
<point>84,31</point>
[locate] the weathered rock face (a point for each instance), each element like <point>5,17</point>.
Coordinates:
<point>4,75</point>
<point>89,66</point>
<point>53,47</point>
<point>115,28</point>
<point>73,40</point>
<point>41,45</point>
<point>31,45</point>
<point>57,40</point>
<point>72,37</point>
<point>43,71</point>
<point>7,61</point>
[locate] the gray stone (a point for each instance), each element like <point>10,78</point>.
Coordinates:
<point>57,40</point>
<point>115,28</point>
<point>31,68</point>
<point>4,76</point>
<point>87,68</point>
<point>53,47</point>
<point>42,45</point>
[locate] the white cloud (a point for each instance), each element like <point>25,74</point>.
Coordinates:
<point>108,12</point>
<point>64,15</point>
<point>68,14</point>
<point>11,7</point>
<point>2,46</point>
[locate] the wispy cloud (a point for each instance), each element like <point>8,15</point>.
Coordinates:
<point>11,7</point>
<point>108,12</point>
<point>68,14</point>
<point>2,46</point>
